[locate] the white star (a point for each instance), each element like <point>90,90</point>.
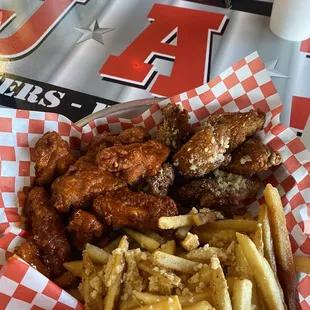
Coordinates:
<point>94,32</point>
<point>270,67</point>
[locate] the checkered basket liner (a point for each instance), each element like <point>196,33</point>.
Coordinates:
<point>245,85</point>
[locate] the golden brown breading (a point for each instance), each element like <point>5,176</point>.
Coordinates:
<point>239,125</point>
<point>252,157</point>
<point>133,161</point>
<point>106,139</point>
<point>209,148</point>
<point>81,187</point>
<point>48,231</point>
<point>52,156</point>
<point>174,130</point>
<point>84,227</point>
<point>159,184</point>
<point>30,253</point>
<point>126,208</point>
<point>224,189</point>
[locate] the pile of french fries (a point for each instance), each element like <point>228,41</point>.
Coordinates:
<point>238,263</point>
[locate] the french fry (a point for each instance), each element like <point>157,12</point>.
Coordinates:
<point>248,216</point>
<point>115,275</point>
<point>75,293</point>
<point>247,226</point>
<point>154,235</point>
<point>302,264</point>
<point>146,242</point>
<point>258,239</point>
<point>97,255</point>
<point>173,222</point>
<point>262,273</point>
<point>174,262</point>
<point>204,254</point>
<point>242,294</point>
<point>182,231</point>
<point>202,305</point>
<point>75,267</point>
<point>171,303</point>
<point>147,298</point>
<point>267,239</point>
<point>162,275</point>
<point>215,237</point>
<point>128,304</point>
<point>219,289</point>
<point>186,301</point>
<point>66,280</point>
<point>169,247</point>
<point>190,242</point>
<point>91,285</point>
<point>113,244</point>
<point>282,247</point>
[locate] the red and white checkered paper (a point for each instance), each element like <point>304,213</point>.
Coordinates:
<point>244,86</point>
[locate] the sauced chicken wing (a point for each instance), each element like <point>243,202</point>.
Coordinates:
<point>48,232</point>
<point>126,208</point>
<point>30,253</point>
<point>84,227</point>
<point>81,187</point>
<point>133,161</point>
<point>252,157</point>
<point>106,139</point>
<point>209,148</point>
<point>174,130</point>
<point>52,156</point>
<point>159,184</point>
<point>225,189</point>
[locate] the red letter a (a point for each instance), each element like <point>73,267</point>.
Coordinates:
<point>190,54</point>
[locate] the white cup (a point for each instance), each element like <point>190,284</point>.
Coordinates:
<point>290,19</point>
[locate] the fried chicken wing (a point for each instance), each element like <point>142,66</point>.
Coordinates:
<point>30,253</point>
<point>252,157</point>
<point>203,153</point>
<point>81,187</point>
<point>48,232</point>
<point>52,157</point>
<point>224,189</point>
<point>106,139</point>
<point>133,161</point>
<point>209,148</point>
<point>126,208</point>
<point>174,130</point>
<point>159,184</point>
<point>84,227</point>
<point>239,125</point>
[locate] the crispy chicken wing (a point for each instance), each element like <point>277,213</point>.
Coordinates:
<point>52,156</point>
<point>84,227</point>
<point>81,187</point>
<point>126,208</point>
<point>133,161</point>
<point>252,157</point>
<point>159,184</point>
<point>48,232</point>
<point>224,189</point>
<point>174,130</point>
<point>209,148</point>
<point>30,253</point>
<point>239,125</point>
